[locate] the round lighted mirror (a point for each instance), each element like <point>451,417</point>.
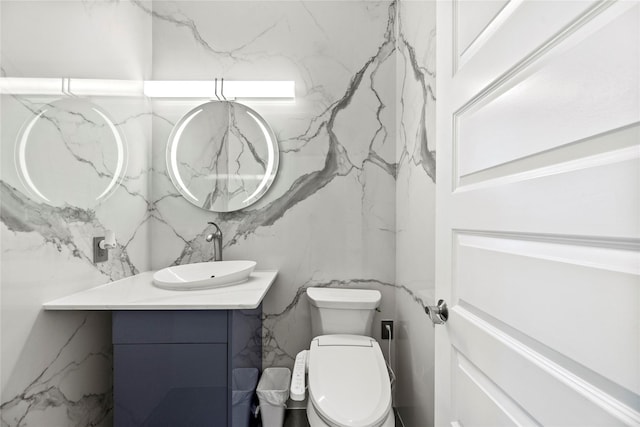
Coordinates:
<point>222,156</point>
<point>70,152</point>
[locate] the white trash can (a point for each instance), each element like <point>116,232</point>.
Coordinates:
<point>273,392</point>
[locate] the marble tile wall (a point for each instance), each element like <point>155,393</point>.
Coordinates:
<point>56,366</point>
<point>329,218</point>
<point>415,211</point>
<point>352,204</point>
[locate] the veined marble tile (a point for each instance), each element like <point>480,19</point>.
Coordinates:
<point>47,253</point>
<point>56,367</point>
<point>329,217</point>
<point>69,373</point>
<point>70,217</point>
<point>415,211</point>
<point>77,38</point>
<point>356,163</point>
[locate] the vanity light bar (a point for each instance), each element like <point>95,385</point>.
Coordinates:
<point>154,88</point>
<point>30,86</point>
<point>105,87</point>
<point>230,90</point>
<point>67,86</point>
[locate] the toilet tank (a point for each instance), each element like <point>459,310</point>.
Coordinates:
<point>342,311</point>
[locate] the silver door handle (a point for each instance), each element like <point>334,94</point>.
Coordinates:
<point>438,313</point>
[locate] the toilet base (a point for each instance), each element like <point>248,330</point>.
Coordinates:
<point>316,421</point>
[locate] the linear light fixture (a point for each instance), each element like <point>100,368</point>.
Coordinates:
<point>213,89</point>
<point>67,86</point>
<point>105,87</point>
<point>31,86</point>
<point>206,89</point>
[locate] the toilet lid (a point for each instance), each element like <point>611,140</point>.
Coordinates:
<point>348,380</point>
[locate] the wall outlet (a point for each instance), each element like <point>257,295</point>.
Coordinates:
<point>385,333</point>
<point>99,254</point>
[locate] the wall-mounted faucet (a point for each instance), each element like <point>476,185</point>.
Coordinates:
<point>216,238</point>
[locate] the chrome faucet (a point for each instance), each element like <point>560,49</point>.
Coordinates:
<point>216,238</point>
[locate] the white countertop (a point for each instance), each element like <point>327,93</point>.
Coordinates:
<point>138,293</point>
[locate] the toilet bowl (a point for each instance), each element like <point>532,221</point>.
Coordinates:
<point>347,375</point>
<point>348,383</point>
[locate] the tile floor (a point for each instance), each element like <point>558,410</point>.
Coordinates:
<point>296,418</point>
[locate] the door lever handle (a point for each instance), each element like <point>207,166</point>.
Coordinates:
<point>438,313</point>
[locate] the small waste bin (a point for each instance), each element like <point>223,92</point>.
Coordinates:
<point>273,392</point>
<point>243,385</point>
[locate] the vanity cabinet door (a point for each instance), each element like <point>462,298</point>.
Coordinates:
<point>170,385</point>
<point>170,368</point>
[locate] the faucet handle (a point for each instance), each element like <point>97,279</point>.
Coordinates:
<point>218,232</point>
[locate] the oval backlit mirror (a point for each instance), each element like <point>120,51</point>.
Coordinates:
<point>222,156</point>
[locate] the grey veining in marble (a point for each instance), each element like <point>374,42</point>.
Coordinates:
<point>58,226</point>
<point>424,76</point>
<point>56,367</point>
<point>337,161</point>
<point>51,388</point>
<point>184,22</point>
<point>352,195</point>
<point>339,156</point>
<point>415,212</point>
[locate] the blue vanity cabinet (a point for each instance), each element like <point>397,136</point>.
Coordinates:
<point>175,368</point>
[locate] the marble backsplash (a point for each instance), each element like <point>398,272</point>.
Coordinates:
<point>355,153</point>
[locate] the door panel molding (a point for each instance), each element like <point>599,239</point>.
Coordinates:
<point>612,146</point>
<point>602,197</point>
<point>531,286</point>
<point>504,54</point>
<point>492,406</point>
<point>564,390</point>
<point>464,17</point>
<point>553,89</point>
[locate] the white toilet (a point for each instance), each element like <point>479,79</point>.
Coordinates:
<point>347,375</point>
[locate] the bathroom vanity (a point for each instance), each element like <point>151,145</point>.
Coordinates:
<point>176,353</point>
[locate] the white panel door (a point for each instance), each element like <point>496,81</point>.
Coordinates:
<point>538,213</point>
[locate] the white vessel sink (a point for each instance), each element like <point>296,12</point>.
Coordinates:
<point>203,275</point>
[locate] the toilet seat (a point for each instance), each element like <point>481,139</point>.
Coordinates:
<point>348,381</point>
